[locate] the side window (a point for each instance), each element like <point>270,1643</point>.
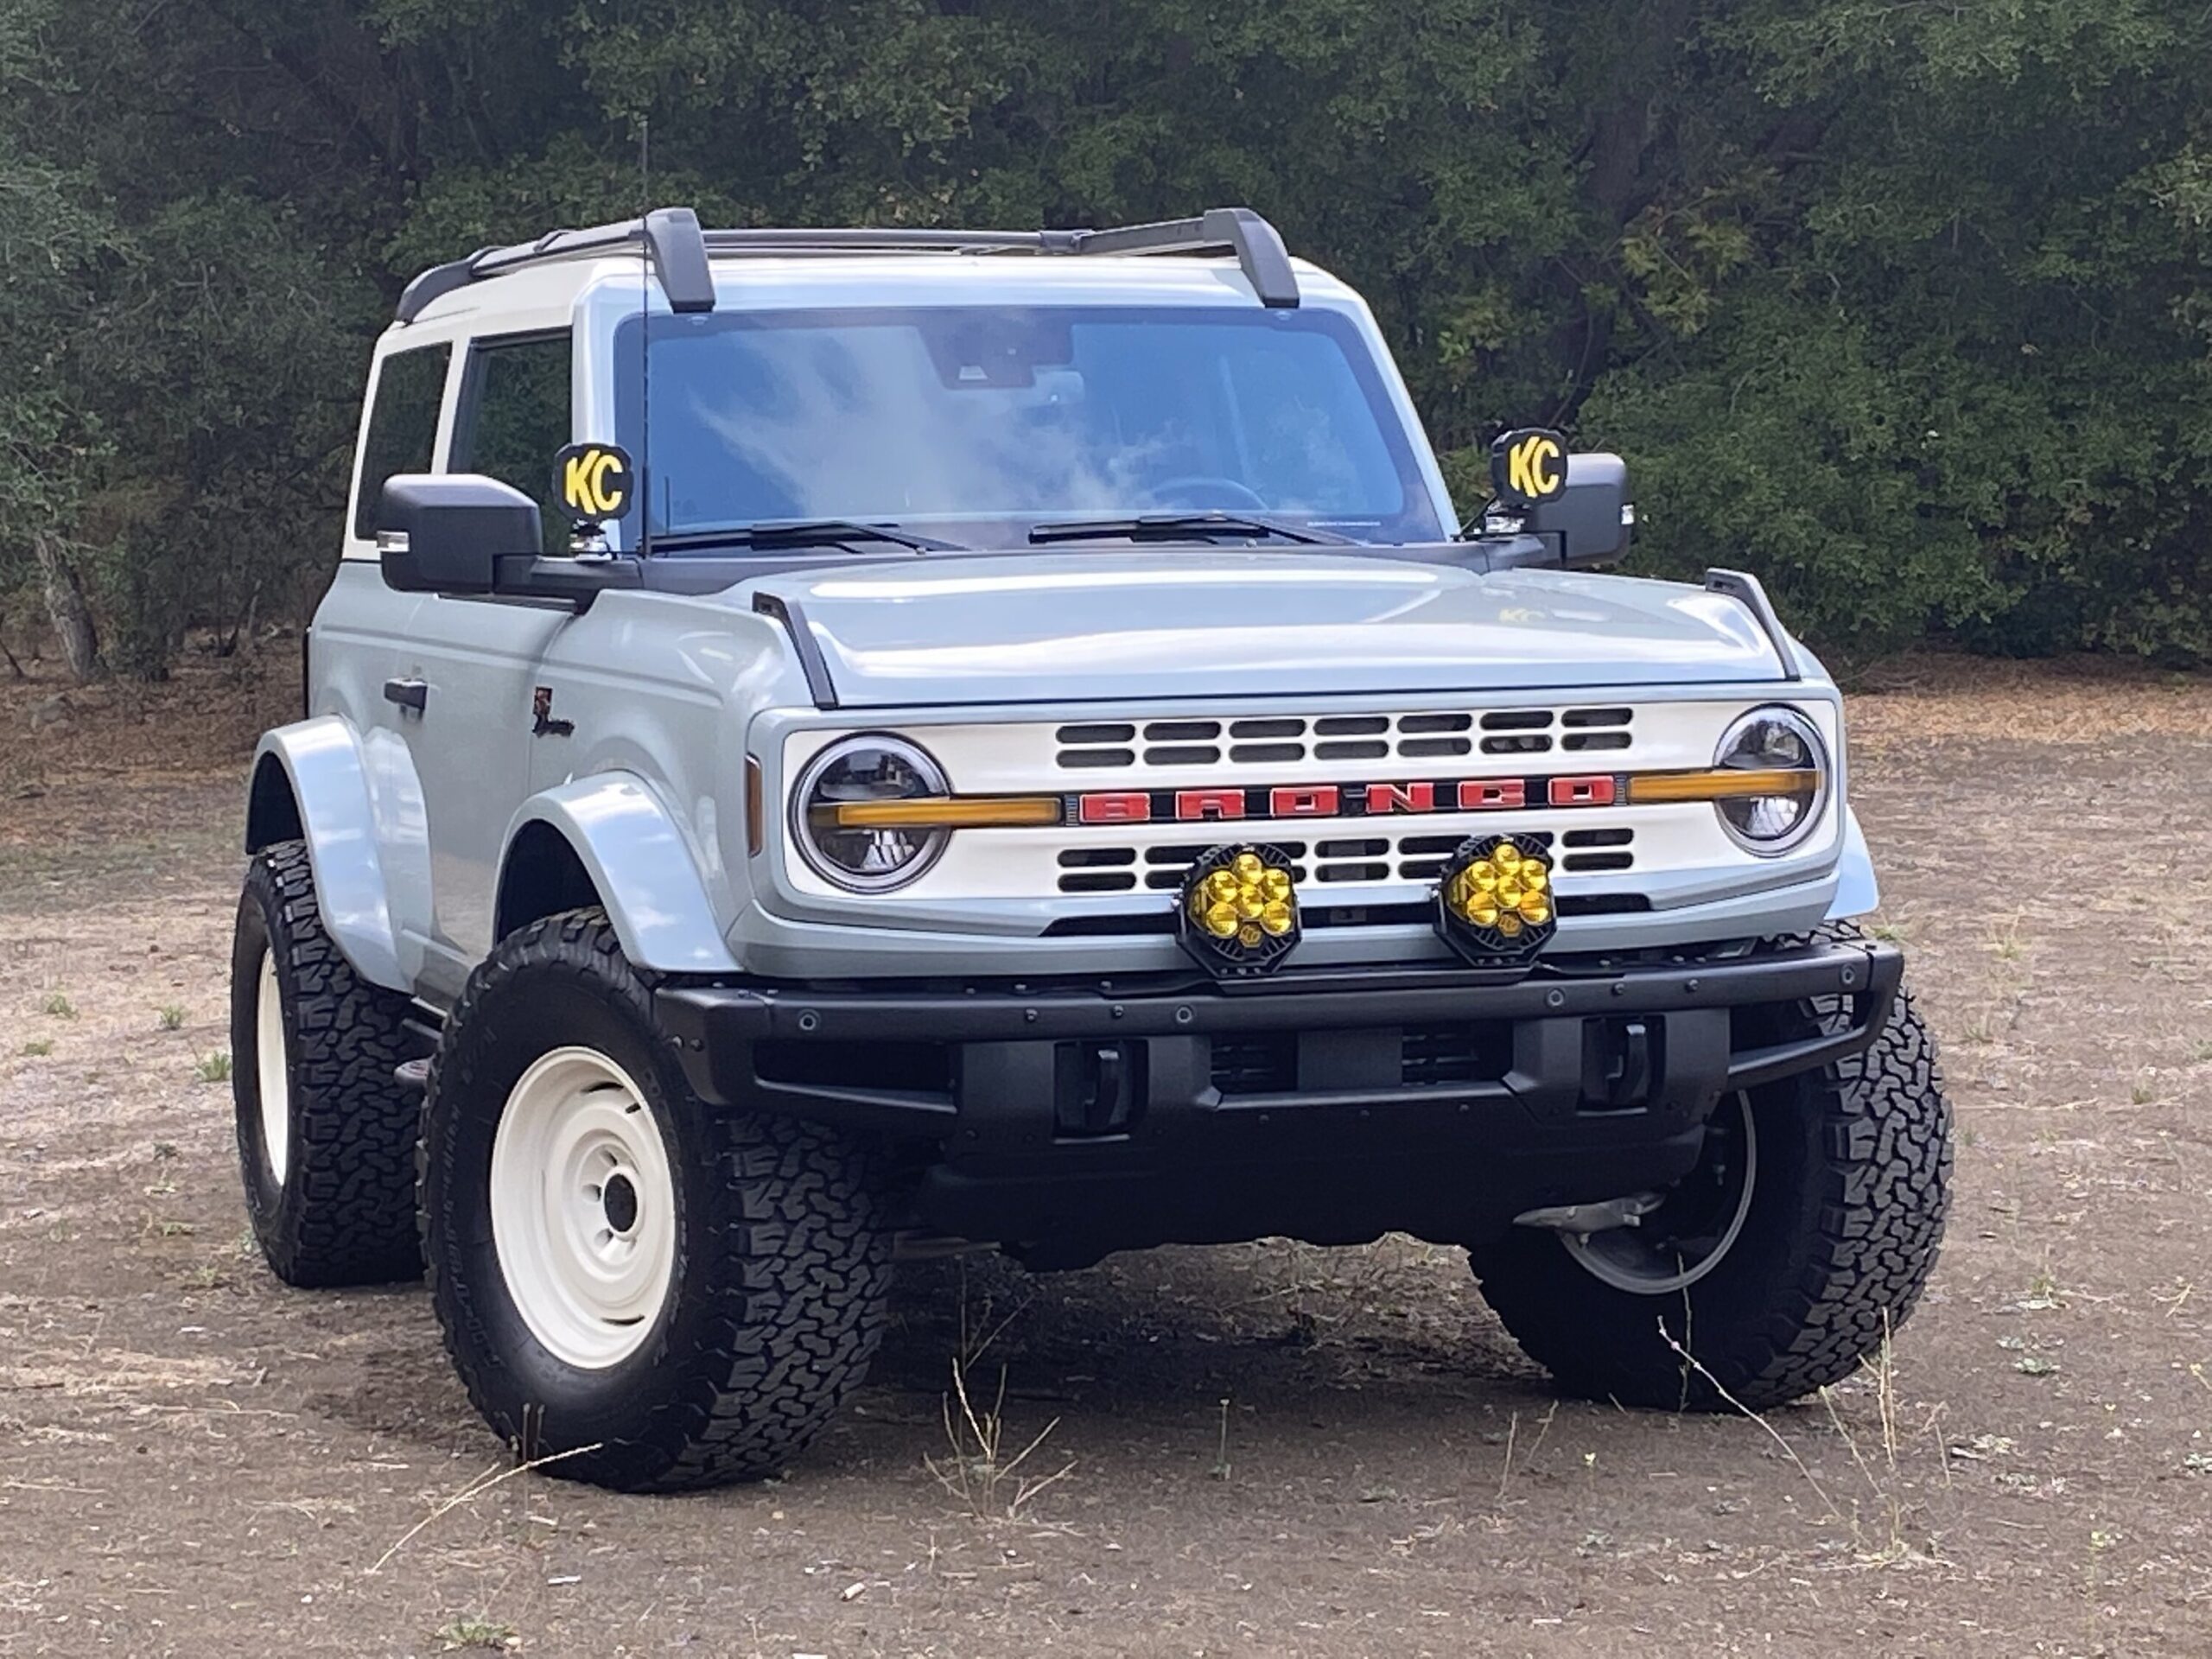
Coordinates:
<point>514,419</point>
<point>403,425</point>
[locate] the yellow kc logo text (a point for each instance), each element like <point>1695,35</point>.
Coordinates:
<point>1533,466</point>
<point>594,479</point>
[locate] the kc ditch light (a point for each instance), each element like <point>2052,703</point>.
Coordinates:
<point>1495,904</point>
<point>1239,911</point>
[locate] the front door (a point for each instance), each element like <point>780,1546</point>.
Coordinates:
<point>473,664</point>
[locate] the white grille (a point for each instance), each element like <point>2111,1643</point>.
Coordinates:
<point>1601,850</point>
<point>1292,739</point>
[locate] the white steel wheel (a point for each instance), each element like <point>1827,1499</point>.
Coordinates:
<point>583,1208</point>
<point>272,1071</point>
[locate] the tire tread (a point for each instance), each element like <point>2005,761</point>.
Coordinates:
<point>348,1216</point>
<point>796,1267</point>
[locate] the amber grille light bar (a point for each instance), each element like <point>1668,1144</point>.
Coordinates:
<point>1721,784</point>
<point>944,812</point>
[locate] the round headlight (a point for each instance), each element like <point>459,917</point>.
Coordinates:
<point>860,771</point>
<point>1774,739</point>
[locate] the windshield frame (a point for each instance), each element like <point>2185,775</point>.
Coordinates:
<point>608,390</point>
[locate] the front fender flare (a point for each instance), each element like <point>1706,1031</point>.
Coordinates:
<point>1856,890</point>
<point>642,865</point>
<point>329,779</point>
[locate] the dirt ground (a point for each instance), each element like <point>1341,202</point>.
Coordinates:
<point>1267,1451</point>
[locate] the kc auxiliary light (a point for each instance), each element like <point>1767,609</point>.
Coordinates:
<point>1239,913</point>
<point>1495,904</point>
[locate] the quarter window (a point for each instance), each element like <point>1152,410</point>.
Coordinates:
<point>403,425</point>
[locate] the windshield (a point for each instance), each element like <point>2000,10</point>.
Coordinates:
<point>982,422</point>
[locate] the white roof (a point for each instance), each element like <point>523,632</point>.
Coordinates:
<point>757,282</point>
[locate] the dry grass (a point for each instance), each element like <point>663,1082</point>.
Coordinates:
<point>2079,700</point>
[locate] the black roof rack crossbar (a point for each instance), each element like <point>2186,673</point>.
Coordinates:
<point>672,241</point>
<point>679,250</point>
<point>1256,243</point>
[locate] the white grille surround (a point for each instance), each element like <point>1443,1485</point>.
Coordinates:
<point>1352,860</point>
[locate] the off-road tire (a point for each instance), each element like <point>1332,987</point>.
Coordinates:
<point>781,1269</point>
<point>344,1213</point>
<point>1846,1216</point>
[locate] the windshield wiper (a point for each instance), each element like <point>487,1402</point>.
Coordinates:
<point>1184,526</point>
<point>802,532</point>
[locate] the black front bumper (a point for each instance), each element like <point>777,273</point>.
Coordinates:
<point>1330,1107</point>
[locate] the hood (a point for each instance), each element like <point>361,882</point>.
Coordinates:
<point>1138,626</point>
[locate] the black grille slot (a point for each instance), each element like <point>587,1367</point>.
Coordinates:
<point>1516,719</point>
<point>1093,759</point>
<point>1354,872</point>
<point>1350,849</point>
<point>1436,722</point>
<point>1080,858</point>
<point>1596,718</point>
<point>1184,754</point>
<point>1181,731</point>
<point>1350,751</point>
<point>1429,844</point>
<point>1366,915</point>
<point>1111,926</point>
<point>1600,838</point>
<point>1264,1063</point>
<point>1594,861</point>
<point>1266,728</point>
<point>1526,744</point>
<point>1099,881</point>
<point>1419,746</point>
<point>1448,1054</point>
<point>1594,741</point>
<point>1096,734</point>
<point>1603,904</point>
<point>1250,755</point>
<point>1351,725</point>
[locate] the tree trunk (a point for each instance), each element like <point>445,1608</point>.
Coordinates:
<point>65,604</point>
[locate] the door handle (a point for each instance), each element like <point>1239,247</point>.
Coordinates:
<point>407,694</point>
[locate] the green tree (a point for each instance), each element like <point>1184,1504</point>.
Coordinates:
<point>1902,306</point>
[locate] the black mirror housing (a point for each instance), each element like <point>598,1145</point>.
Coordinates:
<point>445,532</point>
<point>1589,522</point>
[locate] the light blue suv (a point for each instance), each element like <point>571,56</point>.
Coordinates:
<point>826,745</point>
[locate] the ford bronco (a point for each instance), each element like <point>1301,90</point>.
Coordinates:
<point>828,745</point>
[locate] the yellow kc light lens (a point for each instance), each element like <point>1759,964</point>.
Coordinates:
<point>1239,911</point>
<point>1495,904</point>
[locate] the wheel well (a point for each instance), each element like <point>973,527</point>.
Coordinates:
<point>542,877</point>
<point>272,814</point>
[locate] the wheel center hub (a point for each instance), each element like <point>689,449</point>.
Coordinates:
<point>620,1198</point>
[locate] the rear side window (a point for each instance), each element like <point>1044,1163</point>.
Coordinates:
<point>514,419</point>
<point>403,425</point>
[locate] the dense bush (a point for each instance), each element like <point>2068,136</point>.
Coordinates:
<point>1903,306</point>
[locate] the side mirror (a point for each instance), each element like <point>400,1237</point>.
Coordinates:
<point>445,533</point>
<point>1588,522</point>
